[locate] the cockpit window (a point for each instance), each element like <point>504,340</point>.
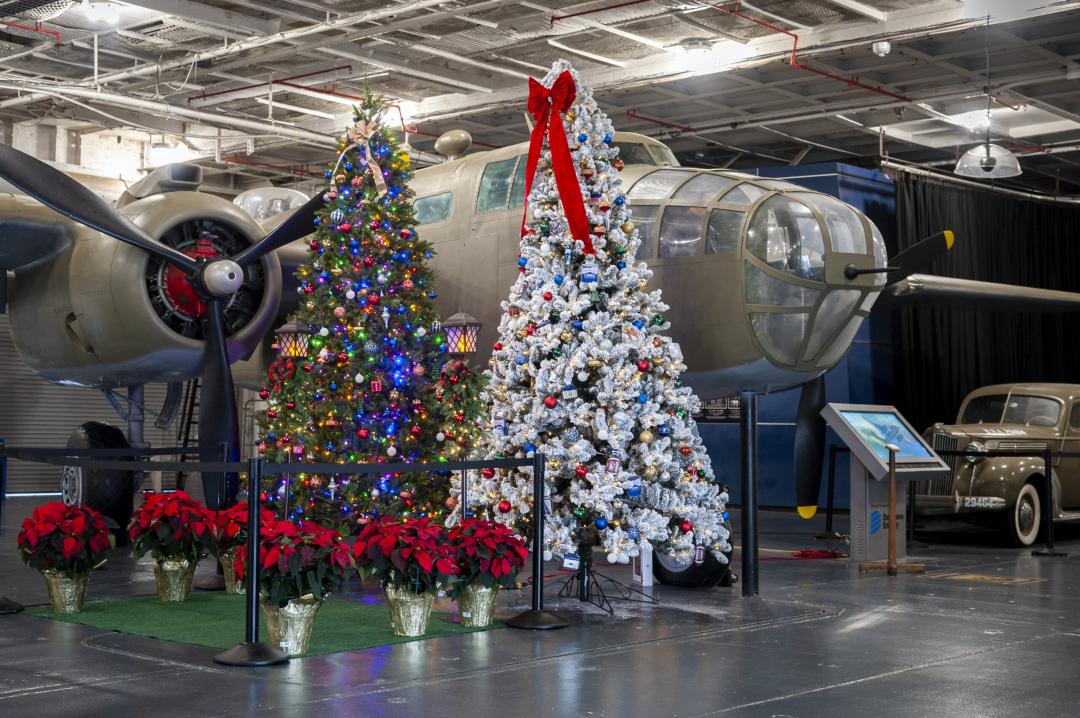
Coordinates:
<point>664,156</point>
<point>644,218</point>
<point>723,232</point>
<point>780,333</point>
<point>1014,409</point>
<point>635,153</point>
<point>495,185</point>
<point>703,188</point>
<point>657,185</point>
<point>846,232</point>
<point>680,232</point>
<point>743,194</point>
<point>436,208</point>
<point>785,235</point>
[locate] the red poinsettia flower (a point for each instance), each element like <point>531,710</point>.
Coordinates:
<point>487,553</point>
<point>295,560</point>
<point>72,539</point>
<point>170,524</point>
<point>413,553</point>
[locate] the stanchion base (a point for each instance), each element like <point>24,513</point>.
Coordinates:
<point>892,569</point>
<point>213,582</point>
<point>536,621</point>
<point>1051,554</point>
<point>8,607</point>
<point>252,654</point>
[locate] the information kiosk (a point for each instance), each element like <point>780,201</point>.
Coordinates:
<point>868,431</point>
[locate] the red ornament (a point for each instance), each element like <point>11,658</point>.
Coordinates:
<point>504,506</point>
<point>345,227</point>
<point>290,405</point>
<point>405,233</point>
<point>415,430</point>
<point>530,329</point>
<point>373,298</point>
<point>376,385</point>
<point>685,450</point>
<point>362,433</point>
<point>264,394</point>
<point>314,244</point>
<point>369,261</point>
<point>307,368</point>
<point>581,472</point>
<point>272,413</point>
<point>343,357</point>
<point>548,296</point>
<point>487,473</point>
<point>643,365</point>
<point>550,402</point>
<point>686,526</point>
<point>497,346</point>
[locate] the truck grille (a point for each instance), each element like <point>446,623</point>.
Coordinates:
<point>944,486</point>
<point>1037,446</point>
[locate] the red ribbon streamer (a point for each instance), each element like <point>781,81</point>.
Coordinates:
<point>542,102</point>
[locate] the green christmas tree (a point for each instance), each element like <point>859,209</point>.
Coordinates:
<point>375,384</point>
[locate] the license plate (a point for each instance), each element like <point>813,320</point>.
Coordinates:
<point>982,502</point>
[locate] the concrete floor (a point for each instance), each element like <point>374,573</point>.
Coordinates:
<point>965,640</point>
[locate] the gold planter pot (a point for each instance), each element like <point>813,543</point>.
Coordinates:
<point>409,611</point>
<point>232,586</point>
<point>476,605</point>
<point>66,594</point>
<point>173,576</point>
<point>289,626</point>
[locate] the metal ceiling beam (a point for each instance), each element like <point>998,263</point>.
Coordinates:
<point>209,14</point>
<point>860,8</point>
<point>293,108</point>
<point>427,49</point>
<point>412,68</point>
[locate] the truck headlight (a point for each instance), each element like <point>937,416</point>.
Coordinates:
<point>975,446</point>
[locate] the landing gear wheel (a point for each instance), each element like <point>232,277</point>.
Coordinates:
<point>672,571</point>
<point>110,491</point>
<point>1022,521</point>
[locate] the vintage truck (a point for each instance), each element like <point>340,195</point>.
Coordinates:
<point>1012,490</point>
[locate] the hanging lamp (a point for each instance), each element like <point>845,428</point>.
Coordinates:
<point>987,161</point>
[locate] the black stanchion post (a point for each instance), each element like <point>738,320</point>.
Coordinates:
<point>829,494</point>
<point>6,604</point>
<point>464,493</point>
<point>748,425</point>
<point>1048,508</point>
<point>536,618</point>
<point>252,652</point>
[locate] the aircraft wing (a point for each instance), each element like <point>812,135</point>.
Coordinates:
<point>981,295</point>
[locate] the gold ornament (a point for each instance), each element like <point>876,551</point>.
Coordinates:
<point>566,335</point>
<point>594,363</point>
<point>554,464</point>
<point>627,227</point>
<point>521,334</point>
<point>645,437</point>
<point>642,284</point>
<point>650,472</point>
<point>571,115</point>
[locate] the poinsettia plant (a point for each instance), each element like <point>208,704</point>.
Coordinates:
<point>412,554</point>
<point>297,559</point>
<point>172,524</point>
<point>71,539</point>
<point>489,554</point>
<point>227,530</point>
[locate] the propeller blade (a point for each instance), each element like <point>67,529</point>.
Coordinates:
<point>56,190</point>
<point>809,446</point>
<point>299,224</point>
<point>219,433</point>
<point>918,256</point>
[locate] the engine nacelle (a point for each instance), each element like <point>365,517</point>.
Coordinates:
<point>106,314</point>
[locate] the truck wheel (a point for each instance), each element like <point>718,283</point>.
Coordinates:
<point>686,574</point>
<point>110,491</point>
<point>1022,522</point>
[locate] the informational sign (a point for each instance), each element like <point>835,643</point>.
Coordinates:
<point>880,428</point>
<point>719,411</point>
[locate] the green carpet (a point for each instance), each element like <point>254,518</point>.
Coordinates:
<point>217,620</point>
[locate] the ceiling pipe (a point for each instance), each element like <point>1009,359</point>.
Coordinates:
<point>793,59</point>
<point>262,85</point>
<point>240,46</point>
<point>40,30</point>
<point>634,115</point>
<point>628,3</point>
<point>1071,200</point>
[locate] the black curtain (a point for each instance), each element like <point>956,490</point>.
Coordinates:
<point>947,352</point>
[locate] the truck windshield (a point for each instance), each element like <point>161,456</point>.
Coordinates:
<point>1012,409</point>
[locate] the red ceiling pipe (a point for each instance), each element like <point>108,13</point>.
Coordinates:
<point>38,29</point>
<point>282,81</point>
<point>852,81</point>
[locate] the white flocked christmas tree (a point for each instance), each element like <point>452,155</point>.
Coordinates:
<point>583,370</point>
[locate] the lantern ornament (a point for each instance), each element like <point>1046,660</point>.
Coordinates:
<point>461,332</point>
<point>292,339</point>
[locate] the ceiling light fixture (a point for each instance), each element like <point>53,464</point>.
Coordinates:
<point>988,161</point>
<point>881,48</point>
<point>696,45</point>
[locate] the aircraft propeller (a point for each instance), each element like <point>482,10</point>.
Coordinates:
<point>809,425</point>
<point>215,280</point>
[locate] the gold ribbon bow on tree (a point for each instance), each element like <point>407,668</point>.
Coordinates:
<point>360,135</point>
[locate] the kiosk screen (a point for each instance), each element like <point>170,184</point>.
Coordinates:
<point>878,428</point>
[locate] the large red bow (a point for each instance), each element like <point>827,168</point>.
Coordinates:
<point>542,101</point>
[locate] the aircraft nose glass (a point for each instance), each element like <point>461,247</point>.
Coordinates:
<point>786,236</point>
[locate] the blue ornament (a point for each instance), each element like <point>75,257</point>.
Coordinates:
<point>639,323</point>
<point>333,386</point>
<point>725,515</point>
<point>522,261</point>
<point>317,221</point>
<point>634,491</point>
<point>348,166</point>
<point>530,447</point>
<point>642,398</point>
<point>601,522</point>
<point>633,534</point>
<point>663,430</point>
<point>577,324</point>
<point>608,139</point>
<point>620,200</point>
<point>432,295</point>
<point>620,265</point>
<point>582,137</point>
<point>329,174</point>
<point>521,360</point>
<point>558,279</point>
